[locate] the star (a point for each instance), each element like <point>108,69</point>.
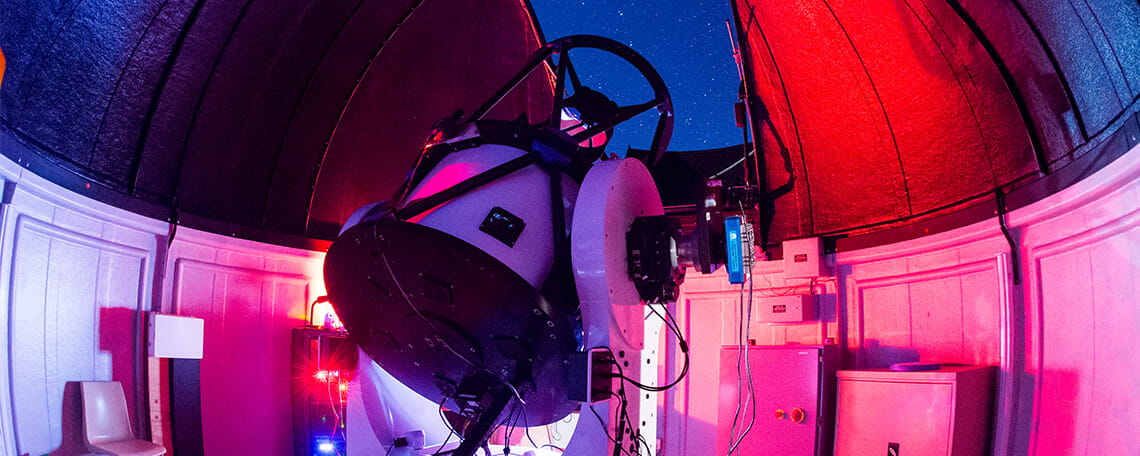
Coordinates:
<point>692,54</point>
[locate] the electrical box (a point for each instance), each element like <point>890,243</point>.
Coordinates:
<point>803,258</point>
<point>794,388</point>
<point>944,412</point>
<point>590,375</point>
<point>323,362</point>
<point>785,309</point>
<point>174,336</point>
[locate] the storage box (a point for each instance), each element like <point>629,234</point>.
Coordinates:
<point>944,412</point>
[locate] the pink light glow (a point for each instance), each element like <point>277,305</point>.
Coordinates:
<point>446,177</point>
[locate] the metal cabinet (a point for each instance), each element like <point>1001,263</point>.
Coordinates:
<point>794,389</point>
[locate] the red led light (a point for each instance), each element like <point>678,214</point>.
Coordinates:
<point>326,375</point>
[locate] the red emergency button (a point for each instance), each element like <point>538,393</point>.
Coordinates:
<point>798,415</point>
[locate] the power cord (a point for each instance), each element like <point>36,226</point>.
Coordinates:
<point>334,405</point>
<point>684,346</point>
<point>445,423</point>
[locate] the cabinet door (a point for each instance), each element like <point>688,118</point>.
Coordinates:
<point>784,379</point>
<point>914,418</point>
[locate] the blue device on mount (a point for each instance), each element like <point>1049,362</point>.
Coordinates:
<point>734,249</point>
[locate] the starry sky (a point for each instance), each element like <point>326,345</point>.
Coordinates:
<point>685,40</point>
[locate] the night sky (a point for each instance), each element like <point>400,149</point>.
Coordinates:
<point>685,40</point>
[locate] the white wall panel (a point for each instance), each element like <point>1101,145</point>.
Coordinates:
<point>251,296</point>
<point>1114,414</point>
<point>923,315</point>
<point>690,417</point>
<point>1065,323</point>
<point>66,322</point>
<point>981,317</point>
<point>1084,300</point>
<point>75,275</point>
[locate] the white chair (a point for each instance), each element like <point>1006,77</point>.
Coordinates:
<point>107,425</point>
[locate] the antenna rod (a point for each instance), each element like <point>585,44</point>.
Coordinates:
<point>748,124</point>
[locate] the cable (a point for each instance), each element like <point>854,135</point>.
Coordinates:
<point>336,415</point>
<point>312,306</point>
<point>743,362</point>
<point>623,411</point>
<point>510,427</point>
<point>637,437</point>
<point>739,388</point>
<point>511,387</point>
<point>622,416</point>
<point>391,274</point>
<point>1014,253</point>
<point>408,300</point>
<point>740,361</point>
<point>747,362</point>
<point>621,427</point>
<point>526,426</point>
<point>671,323</point>
<point>605,429</point>
<point>748,365</point>
<point>449,428</point>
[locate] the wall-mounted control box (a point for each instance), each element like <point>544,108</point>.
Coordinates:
<point>785,309</point>
<point>803,258</point>
<point>175,336</point>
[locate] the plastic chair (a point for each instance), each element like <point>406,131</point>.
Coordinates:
<point>107,425</point>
